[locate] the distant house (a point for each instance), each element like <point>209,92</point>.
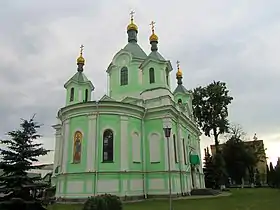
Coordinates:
<point>257,145</point>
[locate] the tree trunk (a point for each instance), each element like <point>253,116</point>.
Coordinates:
<point>216,135</point>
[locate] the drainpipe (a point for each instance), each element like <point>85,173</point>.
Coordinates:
<point>144,154</point>
<point>179,153</point>
<point>96,145</point>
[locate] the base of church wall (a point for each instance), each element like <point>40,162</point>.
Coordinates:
<point>82,198</point>
<point>82,186</point>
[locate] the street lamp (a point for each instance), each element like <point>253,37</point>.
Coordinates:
<point>167,133</point>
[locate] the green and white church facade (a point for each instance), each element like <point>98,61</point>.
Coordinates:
<point>117,144</point>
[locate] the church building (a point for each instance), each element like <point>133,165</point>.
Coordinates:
<point>117,144</point>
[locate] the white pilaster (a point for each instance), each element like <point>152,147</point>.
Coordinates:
<point>172,153</point>
<point>80,96</point>
<point>182,148</point>
<point>167,123</point>
<point>65,146</point>
<point>124,142</point>
<point>91,142</point>
<point>58,145</point>
<point>140,76</point>
<point>61,149</point>
<point>180,155</point>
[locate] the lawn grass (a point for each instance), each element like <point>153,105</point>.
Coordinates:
<point>241,199</point>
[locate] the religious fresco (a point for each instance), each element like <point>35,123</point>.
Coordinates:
<point>77,149</point>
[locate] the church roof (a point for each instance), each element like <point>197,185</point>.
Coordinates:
<point>156,55</point>
<point>135,50</point>
<point>79,77</point>
<point>181,89</point>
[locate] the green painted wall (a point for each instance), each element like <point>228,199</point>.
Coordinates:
<point>134,125</point>
<point>133,82</point>
<point>107,121</point>
<point>154,126</point>
<point>77,89</point>
<point>160,76</point>
<point>77,124</point>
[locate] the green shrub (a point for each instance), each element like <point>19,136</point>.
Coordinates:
<point>95,203</point>
<point>113,202</point>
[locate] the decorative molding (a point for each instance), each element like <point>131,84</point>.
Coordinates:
<point>123,118</point>
<point>155,147</point>
<point>108,127</point>
<point>136,146</point>
<point>131,114</point>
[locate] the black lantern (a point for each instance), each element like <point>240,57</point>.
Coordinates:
<point>167,132</point>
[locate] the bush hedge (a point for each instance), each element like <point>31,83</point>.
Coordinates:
<point>103,202</point>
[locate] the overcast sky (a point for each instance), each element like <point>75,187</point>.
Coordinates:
<point>235,41</point>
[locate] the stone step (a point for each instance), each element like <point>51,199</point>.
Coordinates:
<point>205,191</point>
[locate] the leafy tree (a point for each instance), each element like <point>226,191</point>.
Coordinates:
<point>210,105</point>
<point>258,178</point>
<point>234,153</point>
<point>255,154</point>
<point>267,174</point>
<point>242,158</point>
<point>17,159</point>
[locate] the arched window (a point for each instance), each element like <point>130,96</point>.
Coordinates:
<point>152,75</point>
<point>184,150</point>
<point>124,76</point>
<point>72,94</point>
<point>179,101</point>
<point>167,76</point>
<point>175,148</point>
<point>108,146</point>
<point>86,95</point>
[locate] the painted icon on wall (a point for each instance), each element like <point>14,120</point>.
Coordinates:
<point>78,136</point>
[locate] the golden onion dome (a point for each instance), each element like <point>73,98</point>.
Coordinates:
<point>153,38</point>
<point>80,59</point>
<point>179,73</point>
<point>132,26</point>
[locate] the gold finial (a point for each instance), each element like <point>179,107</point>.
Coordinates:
<point>80,59</point>
<point>132,25</point>
<point>179,73</point>
<point>153,37</point>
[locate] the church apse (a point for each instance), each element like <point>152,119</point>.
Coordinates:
<point>77,148</point>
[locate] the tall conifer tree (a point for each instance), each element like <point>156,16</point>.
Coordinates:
<point>21,150</point>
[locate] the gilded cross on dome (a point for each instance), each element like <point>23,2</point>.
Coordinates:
<point>81,49</point>
<point>153,26</point>
<point>178,64</point>
<point>132,15</point>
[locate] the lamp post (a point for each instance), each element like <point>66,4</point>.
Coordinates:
<point>167,132</point>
